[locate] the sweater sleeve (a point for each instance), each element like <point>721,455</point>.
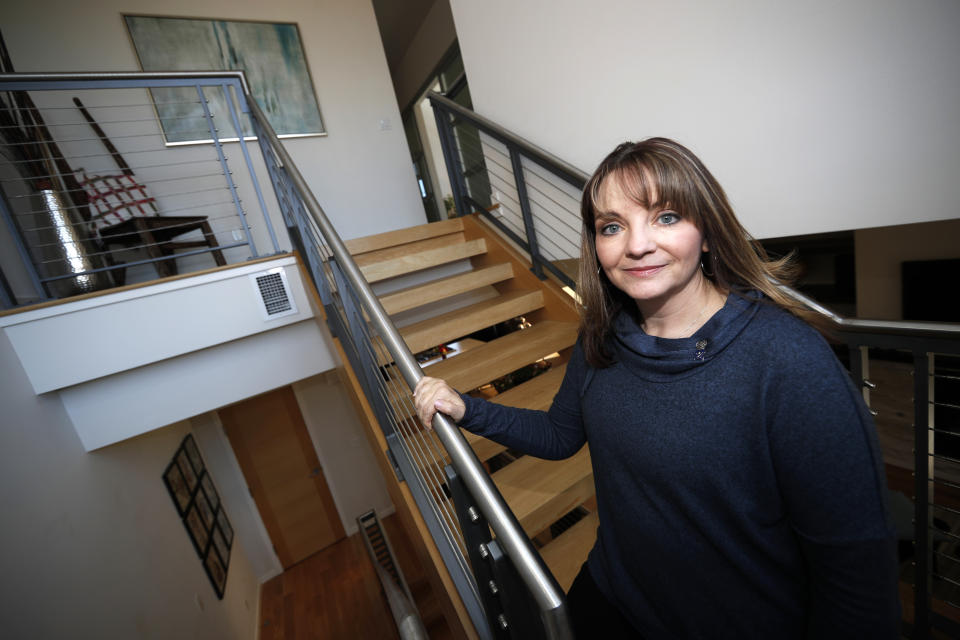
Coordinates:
<point>829,470</point>
<point>553,434</point>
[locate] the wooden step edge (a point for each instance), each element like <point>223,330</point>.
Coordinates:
<point>540,492</point>
<point>462,322</point>
<point>424,260</point>
<point>409,249</point>
<point>565,554</point>
<point>536,393</point>
<point>386,239</point>
<point>436,290</point>
<point>504,355</point>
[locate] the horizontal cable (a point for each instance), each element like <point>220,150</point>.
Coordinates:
<point>135,263</point>
<point>84,224</point>
<point>143,245</point>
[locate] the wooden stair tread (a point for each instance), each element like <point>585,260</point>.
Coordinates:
<point>501,356</point>
<point>403,236</point>
<point>540,491</point>
<point>435,290</point>
<point>566,553</point>
<point>423,260</point>
<point>536,393</point>
<point>409,249</point>
<point>464,321</point>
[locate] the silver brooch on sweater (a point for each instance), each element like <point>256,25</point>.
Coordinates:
<point>701,350</point>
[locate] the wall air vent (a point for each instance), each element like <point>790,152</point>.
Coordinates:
<point>274,293</point>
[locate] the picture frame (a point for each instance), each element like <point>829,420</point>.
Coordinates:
<point>270,53</point>
<point>220,544</point>
<point>209,490</point>
<point>225,527</point>
<point>216,571</point>
<point>199,534</point>
<point>193,454</point>
<point>205,510</point>
<point>186,468</point>
<point>177,486</point>
<point>201,511</point>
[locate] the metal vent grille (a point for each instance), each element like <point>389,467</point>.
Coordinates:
<point>274,293</point>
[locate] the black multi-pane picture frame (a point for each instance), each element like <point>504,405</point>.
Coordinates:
<point>199,506</point>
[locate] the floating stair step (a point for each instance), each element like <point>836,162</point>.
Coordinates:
<point>540,492</point>
<point>536,393</point>
<point>409,249</point>
<point>420,295</point>
<point>501,356</point>
<point>379,241</point>
<point>565,554</point>
<point>412,262</point>
<point>455,324</point>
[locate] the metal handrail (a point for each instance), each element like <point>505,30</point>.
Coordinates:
<point>81,79</point>
<point>544,158</point>
<point>538,579</point>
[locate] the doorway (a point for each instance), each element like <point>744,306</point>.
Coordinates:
<point>278,460</point>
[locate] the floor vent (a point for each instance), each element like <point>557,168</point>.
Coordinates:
<point>274,293</point>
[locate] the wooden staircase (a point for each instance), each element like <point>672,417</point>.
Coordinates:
<point>540,492</point>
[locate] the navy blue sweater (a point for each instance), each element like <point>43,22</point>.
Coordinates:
<point>740,486</point>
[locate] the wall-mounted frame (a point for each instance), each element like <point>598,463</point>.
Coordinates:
<point>199,506</point>
<point>271,54</point>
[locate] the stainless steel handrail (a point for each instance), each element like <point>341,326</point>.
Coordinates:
<point>895,327</point>
<point>88,76</point>
<point>538,579</point>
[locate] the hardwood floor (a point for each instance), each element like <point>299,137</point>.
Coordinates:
<point>335,594</point>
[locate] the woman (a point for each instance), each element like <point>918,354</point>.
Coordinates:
<point>740,487</point>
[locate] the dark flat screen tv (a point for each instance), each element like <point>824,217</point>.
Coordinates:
<point>931,290</point>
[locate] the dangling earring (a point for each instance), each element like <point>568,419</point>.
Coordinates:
<point>599,269</point>
<point>704,268</point>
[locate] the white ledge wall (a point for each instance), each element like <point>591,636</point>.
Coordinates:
<point>133,361</point>
<point>75,342</point>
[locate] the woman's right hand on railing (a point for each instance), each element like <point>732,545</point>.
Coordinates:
<point>432,395</point>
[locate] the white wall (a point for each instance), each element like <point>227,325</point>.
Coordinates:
<point>92,544</point>
<point>348,464</point>
<point>361,174</point>
<point>815,116</point>
<point>433,39</point>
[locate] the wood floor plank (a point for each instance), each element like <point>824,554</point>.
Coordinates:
<point>503,355</point>
<point>566,554</point>
<point>435,290</point>
<point>379,241</point>
<point>539,491</point>
<point>424,260</point>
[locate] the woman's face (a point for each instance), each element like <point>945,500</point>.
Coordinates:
<point>652,255</point>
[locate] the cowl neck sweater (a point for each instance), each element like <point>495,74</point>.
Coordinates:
<point>659,359</point>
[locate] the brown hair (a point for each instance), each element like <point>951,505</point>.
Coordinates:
<point>665,171</point>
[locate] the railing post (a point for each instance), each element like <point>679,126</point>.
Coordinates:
<point>527,213</point>
<point>226,169</point>
<point>458,181</point>
<point>923,493</point>
<point>25,258</point>
<point>227,94</point>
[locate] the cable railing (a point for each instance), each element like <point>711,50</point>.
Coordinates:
<point>109,179</point>
<point>909,371</point>
<point>452,490</point>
